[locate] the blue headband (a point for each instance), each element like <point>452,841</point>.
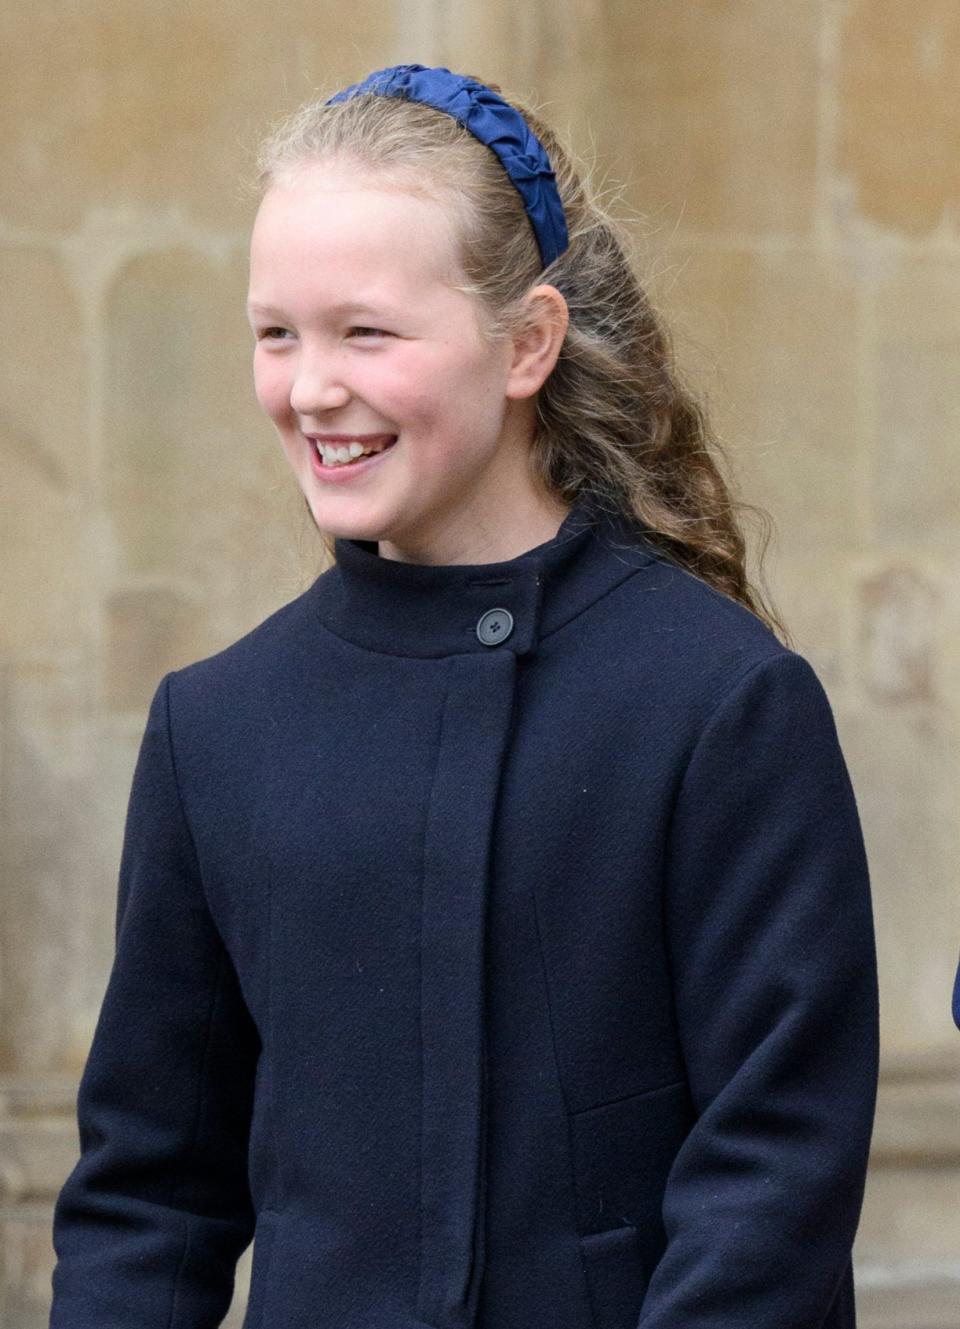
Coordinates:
<point>494,122</point>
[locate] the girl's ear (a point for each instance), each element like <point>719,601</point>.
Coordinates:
<point>536,348</point>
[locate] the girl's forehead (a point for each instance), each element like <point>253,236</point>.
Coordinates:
<point>344,223</point>
<point>324,188</point>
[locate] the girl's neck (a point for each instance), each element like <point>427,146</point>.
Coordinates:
<point>533,519</point>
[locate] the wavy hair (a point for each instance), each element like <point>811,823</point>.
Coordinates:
<point>614,419</point>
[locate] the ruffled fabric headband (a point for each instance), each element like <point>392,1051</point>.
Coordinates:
<point>494,122</point>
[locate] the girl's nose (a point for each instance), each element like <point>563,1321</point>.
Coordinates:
<point>316,388</point>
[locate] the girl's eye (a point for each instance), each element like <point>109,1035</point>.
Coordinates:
<point>268,333</point>
<point>375,332</point>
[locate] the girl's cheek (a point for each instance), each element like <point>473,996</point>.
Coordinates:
<point>270,389</point>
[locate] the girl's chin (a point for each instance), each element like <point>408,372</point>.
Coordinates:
<point>347,519</point>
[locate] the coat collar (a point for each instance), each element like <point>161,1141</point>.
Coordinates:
<point>431,610</point>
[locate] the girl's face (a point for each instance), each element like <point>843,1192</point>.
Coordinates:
<point>360,336</point>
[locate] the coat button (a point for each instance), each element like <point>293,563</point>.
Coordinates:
<point>495,626</point>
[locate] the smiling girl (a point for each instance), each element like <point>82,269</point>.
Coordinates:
<point>440,417</point>
<point>494,935</point>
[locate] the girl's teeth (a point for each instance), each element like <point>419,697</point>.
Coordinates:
<point>333,455</point>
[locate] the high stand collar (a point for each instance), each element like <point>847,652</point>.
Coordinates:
<point>431,610</point>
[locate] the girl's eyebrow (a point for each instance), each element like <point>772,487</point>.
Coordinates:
<point>344,307</point>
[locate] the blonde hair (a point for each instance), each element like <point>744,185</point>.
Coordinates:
<point>614,419</point>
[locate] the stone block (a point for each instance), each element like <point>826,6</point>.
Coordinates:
<point>899,609</point>
<point>903,759</point>
<point>949,637</point>
<point>811,592</point>
<point>152,110</point>
<point>148,631</point>
<point>910,1216</point>
<point>65,779</point>
<point>711,110</point>
<point>515,46</point>
<point>44,456</point>
<point>26,1263</point>
<point>914,358</point>
<point>917,1295</point>
<point>898,117</point>
<point>36,1153</point>
<point>766,339</point>
<point>905,1252</point>
<point>918,1112</point>
<point>706,113</point>
<point>196,489</point>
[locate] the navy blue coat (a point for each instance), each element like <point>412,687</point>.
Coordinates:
<point>521,985</point>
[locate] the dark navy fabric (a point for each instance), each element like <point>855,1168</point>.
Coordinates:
<point>510,986</point>
<point>956,998</point>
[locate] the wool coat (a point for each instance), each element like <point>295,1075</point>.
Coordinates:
<point>494,947</point>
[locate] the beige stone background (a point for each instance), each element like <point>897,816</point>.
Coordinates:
<point>792,175</point>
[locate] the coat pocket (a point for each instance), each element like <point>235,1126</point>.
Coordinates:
<point>622,1154</point>
<point>263,1238</point>
<point>616,1276</point>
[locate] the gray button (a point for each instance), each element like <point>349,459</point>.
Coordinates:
<point>495,626</point>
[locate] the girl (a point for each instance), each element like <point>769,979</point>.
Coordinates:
<point>494,936</point>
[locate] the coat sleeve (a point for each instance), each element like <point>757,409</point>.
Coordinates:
<point>770,936</point>
<point>149,1225</point>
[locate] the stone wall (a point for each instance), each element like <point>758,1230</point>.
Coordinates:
<point>790,172</point>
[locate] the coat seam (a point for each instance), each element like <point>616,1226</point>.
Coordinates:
<point>198,1116</point>
<point>270,1051</point>
<point>176,785</point>
<point>567,1115</point>
<point>211,1011</point>
<point>423,867</point>
<point>626,1098</point>
<point>546,988</point>
<point>611,590</point>
<point>668,830</point>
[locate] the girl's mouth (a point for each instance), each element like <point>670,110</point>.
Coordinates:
<point>333,461</point>
<point>342,452</point>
